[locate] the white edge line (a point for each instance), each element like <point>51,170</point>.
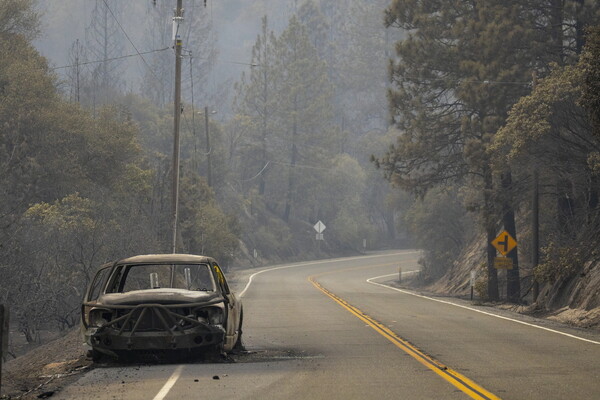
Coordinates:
<point>473,309</point>
<point>169,384</point>
<point>318,262</point>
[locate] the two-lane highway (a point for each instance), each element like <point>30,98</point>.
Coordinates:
<point>328,330</point>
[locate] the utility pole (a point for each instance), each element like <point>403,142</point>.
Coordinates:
<point>177,21</point>
<point>208,150</point>
<point>535,219</point>
<point>77,69</point>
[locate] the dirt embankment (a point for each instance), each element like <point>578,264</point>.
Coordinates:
<point>575,301</point>
<point>46,368</point>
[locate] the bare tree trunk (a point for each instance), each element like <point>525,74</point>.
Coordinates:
<point>490,227</point>
<point>291,177</point>
<point>513,284</point>
<point>261,188</point>
<point>556,29</point>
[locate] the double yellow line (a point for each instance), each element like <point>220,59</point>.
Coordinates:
<point>459,381</point>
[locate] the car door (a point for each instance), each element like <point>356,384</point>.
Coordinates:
<point>233,306</point>
<point>94,291</point>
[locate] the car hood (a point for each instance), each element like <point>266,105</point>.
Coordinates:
<point>158,296</point>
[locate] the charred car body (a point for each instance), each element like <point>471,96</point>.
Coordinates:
<point>160,302</point>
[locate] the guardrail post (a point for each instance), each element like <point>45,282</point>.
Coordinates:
<point>399,274</point>
<point>3,338</point>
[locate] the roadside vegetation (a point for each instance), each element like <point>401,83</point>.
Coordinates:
<point>497,103</point>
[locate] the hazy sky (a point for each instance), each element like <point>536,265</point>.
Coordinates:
<point>236,24</point>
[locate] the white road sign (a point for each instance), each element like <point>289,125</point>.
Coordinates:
<point>319,227</point>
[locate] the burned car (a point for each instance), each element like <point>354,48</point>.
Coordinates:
<point>160,302</point>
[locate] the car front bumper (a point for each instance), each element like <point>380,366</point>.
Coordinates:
<point>170,331</point>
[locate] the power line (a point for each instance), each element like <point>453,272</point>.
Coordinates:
<point>129,39</point>
<point>110,59</point>
<point>424,80</point>
<point>257,175</point>
<point>302,166</point>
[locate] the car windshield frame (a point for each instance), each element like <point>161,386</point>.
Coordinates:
<point>153,275</point>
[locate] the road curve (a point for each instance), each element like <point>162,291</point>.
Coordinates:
<point>328,330</point>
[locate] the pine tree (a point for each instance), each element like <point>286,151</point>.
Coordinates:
<point>105,42</point>
<point>255,99</point>
<point>76,73</point>
<point>304,103</point>
<point>458,73</point>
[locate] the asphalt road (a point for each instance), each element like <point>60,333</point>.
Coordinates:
<point>336,330</point>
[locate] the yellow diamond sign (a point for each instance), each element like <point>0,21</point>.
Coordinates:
<point>504,243</point>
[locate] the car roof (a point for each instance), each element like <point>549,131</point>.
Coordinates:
<point>165,258</point>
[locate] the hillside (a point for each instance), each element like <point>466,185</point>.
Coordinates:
<point>575,301</point>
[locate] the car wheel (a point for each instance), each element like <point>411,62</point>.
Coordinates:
<point>96,356</point>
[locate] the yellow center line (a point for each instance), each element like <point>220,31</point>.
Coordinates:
<point>458,380</point>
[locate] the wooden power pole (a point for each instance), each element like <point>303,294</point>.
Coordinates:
<point>208,149</point>
<point>177,21</point>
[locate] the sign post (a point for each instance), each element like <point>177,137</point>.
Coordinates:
<point>319,227</point>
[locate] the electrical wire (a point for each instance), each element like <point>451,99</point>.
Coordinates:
<point>459,81</point>
<point>302,166</point>
<point>110,59</point>
<point>129,39</point>
<point>257,175</point>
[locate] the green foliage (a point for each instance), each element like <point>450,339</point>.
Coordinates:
<point>481,284</point>
<point>449,95</point>
<point>71,213</point>
<point>457,75</point>
<point>18,17</point>
<point>204,227</point>
<point>590,97</point>
<point>272,240</point>
<point>286,140</point>
<point>76,192</point>
<point>343,205</point>
<point>553,129</point>
<point>440,226</point>
<point>536,123</point>
<point>560,263</point>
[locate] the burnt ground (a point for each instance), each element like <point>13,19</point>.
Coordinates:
<point>46,368</point>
